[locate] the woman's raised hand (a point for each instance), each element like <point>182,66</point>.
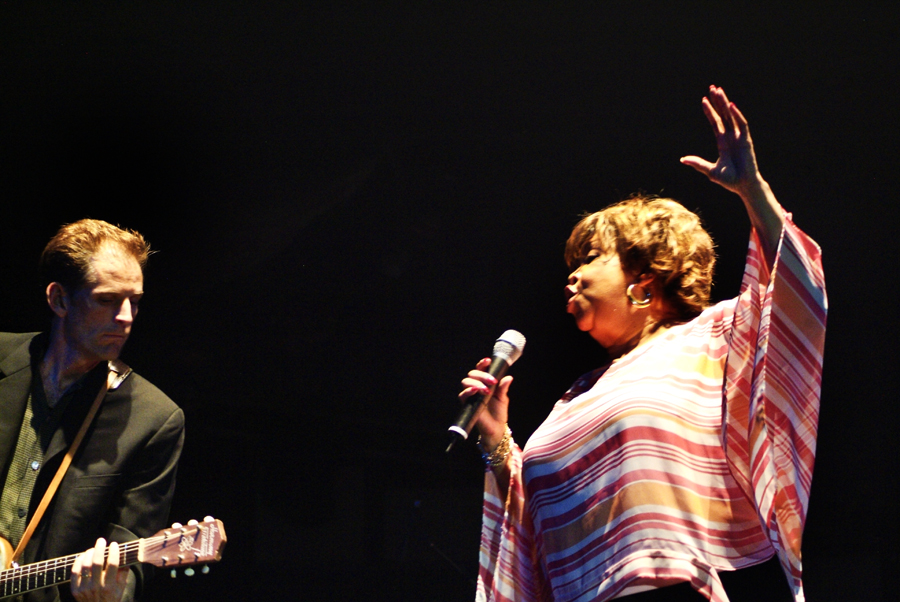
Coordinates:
<point>492,421</point>
<point>736,168</point>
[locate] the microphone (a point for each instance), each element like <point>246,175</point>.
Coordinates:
<point>507,350</point>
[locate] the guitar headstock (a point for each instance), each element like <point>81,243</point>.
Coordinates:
<point>194,543</point>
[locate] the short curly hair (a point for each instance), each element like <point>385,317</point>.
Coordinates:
<point>67,257</point>
<point>657,236</point>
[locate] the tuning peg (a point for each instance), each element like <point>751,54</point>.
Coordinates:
<point>176,525</point>
<point>189,572</point>
<point>208,519</point>
<point>173,573</point>
<point>205,569</point>
<point>192,523</point>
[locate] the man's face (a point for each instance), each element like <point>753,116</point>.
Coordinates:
<point>99,316</point>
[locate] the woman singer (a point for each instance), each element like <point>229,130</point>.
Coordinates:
<point>691,453</point>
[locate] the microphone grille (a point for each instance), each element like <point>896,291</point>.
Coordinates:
<point>510,345</point>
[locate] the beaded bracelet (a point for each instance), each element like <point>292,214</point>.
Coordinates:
<point>498,457</point>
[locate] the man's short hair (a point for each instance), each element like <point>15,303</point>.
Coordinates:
<point>67,257</point>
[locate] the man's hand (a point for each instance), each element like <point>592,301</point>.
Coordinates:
<point>94,580</point>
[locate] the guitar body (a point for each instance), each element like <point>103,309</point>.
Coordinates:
<point>6,553</point>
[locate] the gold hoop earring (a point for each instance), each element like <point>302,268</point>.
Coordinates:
<point>634,300</point>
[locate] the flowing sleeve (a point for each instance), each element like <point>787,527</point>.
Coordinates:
<point>508,565</point>
<point>772,388</point>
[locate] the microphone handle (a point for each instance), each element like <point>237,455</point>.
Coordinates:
<point>475,404</point>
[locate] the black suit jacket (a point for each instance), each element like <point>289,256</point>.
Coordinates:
<point>122,479</point>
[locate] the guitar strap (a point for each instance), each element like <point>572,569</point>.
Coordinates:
<point>118,372</point>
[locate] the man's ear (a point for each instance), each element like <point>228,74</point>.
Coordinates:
<point>58,299</point>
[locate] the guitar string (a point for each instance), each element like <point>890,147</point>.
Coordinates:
<point>48,566</point>
<point>68,561</point>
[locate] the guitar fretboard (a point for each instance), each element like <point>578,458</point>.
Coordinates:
<point>38,575</point>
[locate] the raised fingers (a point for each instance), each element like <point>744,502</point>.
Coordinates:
<point>713,117</point>
<point>698,163</point>
<point>741,121</point>
<point>720,103</point>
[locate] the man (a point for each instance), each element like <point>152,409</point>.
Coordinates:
<point>119,486</point>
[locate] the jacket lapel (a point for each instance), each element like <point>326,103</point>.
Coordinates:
<point>14,387</point>
<point>75,413</point>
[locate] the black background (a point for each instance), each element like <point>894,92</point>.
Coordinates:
<point>352,201</point>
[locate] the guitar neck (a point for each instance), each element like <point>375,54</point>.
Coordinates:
<point>47,573</point>
<point>180,546</point>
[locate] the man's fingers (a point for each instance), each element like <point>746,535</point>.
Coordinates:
<point>112,564</point>
<point>97,560</point>
<point>122,577</point>
<point>77,568</point>
<point>113,556</point>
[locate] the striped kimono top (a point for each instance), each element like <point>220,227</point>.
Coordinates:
<point>690,455</point>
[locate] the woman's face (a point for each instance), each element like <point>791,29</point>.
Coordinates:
<point>595,295</point>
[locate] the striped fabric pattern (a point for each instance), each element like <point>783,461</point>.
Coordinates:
<point>690,455</point>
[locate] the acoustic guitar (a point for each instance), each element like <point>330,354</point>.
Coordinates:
<point>193,544</point>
